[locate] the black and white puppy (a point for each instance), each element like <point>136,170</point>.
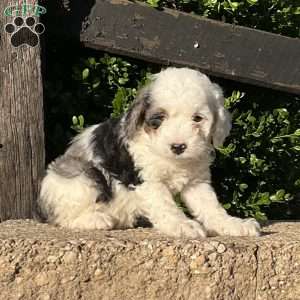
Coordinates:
<point>123,168</point>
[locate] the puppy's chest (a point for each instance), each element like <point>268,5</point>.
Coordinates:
<point>176,182</point>
<point>175,178</point>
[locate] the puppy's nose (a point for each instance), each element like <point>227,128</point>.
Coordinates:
<point>178,148</point>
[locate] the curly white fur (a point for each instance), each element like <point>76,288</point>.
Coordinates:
<point>72,198</point>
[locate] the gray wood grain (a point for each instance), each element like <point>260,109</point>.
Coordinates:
<point>21,126</point>
<point>171,37</point>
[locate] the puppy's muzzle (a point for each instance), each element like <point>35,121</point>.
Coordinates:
<point>178,148</point>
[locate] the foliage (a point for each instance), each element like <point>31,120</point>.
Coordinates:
<point>277,16</point>
<point>262,152</point>
<point>83,88</point>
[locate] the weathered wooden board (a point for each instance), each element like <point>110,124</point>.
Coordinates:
<point>172,37</point>
<point>22,154</point>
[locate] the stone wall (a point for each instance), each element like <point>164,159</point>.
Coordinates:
<point>38,261</point>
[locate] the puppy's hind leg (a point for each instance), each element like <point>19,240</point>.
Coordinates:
<point>93,219</point>
<point>69,197</point>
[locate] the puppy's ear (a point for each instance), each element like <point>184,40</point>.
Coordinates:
<point>135,116</point>
<point>222,125</point>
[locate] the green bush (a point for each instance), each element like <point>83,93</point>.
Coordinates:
<point>277,16</point>
<point>259,163</point>
<point>85,87</point>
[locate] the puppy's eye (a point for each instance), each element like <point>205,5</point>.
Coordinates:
<point>155,121</point>
<point>197,118</point>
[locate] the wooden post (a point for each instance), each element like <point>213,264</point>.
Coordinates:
<point>21,123</point>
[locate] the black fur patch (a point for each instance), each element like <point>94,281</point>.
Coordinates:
<point>113,153</point>
<point>142,221</point>
<point>70,167</point>
<point>102,184</point>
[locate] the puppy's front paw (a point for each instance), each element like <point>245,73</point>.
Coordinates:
<point>185,229</point>
<point>240,227</point>
<point>191,229</point>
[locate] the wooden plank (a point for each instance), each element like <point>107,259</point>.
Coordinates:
<point>171,37</point>
<point>22,153</point>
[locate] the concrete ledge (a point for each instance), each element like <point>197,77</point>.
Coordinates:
<point>38,261</point>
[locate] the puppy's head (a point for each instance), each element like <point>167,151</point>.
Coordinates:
<point>179,115</point>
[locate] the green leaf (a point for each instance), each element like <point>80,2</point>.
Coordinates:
<point>263,199</point>
<point>260,216</point>
<point>227,205</point>
<point>92,60</point>
<point>112,60</point>
<point>122,80</point>
<point>297,183</point>
<point>279,196</point>
<point>85,73</point>
<point>121,100</point>
<point>154,3</point>
<point>297,132</point>
<point>74,120</point>
<point>243,186</point>
<point>96,84</point>
<point>252,2</point>
<point>81,120</point>
<point>233,5</point>
<point>227,150</point>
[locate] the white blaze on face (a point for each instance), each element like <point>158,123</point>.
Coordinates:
<point>183,96</point>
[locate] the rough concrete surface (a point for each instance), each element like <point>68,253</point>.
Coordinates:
<point>38,261</point>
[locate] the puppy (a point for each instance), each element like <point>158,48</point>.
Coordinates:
<point>119,170</point>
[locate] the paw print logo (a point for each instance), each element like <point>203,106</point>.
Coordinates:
<point>24,31</point>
